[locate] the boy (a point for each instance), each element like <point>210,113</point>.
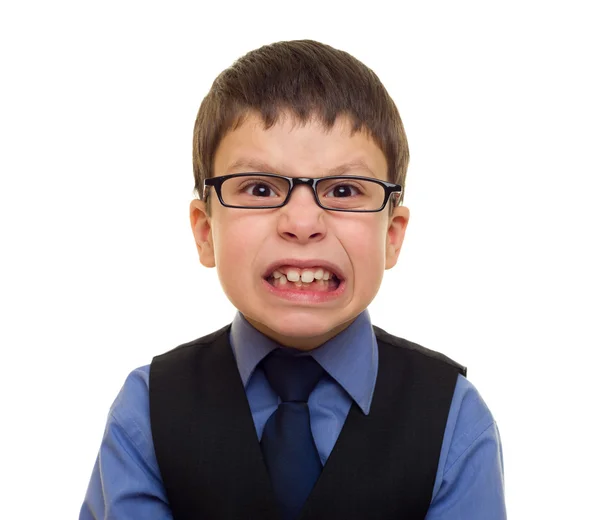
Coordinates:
<point>300,408</point>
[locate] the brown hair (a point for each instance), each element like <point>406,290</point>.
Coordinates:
<point>306,78</point>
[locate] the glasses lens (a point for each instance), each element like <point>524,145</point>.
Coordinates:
<point>250,191</point>
<point>350,193</point>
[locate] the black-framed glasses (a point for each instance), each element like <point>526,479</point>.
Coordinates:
<point>337,193</point>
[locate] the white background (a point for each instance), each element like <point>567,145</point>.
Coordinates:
<point>500,265</point>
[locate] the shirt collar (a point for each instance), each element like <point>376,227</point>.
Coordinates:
<point>351,357</point>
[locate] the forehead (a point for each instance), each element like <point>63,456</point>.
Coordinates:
<point>299,149</point>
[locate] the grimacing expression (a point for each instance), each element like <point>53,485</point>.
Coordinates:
<point>260,253</point>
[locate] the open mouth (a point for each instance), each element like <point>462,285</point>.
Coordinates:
<point>317,279</point>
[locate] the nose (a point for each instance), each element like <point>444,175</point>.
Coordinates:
<point>301,220</point>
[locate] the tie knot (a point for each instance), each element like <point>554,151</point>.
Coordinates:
<point>292,377</point>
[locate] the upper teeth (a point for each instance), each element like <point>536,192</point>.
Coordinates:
<point>306,275</point>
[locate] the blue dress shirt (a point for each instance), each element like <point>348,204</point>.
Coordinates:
<point>469,484</point>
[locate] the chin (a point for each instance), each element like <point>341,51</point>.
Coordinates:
<point>299,325</point>
<point>305,329</point>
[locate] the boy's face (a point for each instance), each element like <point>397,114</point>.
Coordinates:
<point>247,245</point>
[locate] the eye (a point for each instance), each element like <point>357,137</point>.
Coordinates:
<point>343,190</point>
<point>259,189</point>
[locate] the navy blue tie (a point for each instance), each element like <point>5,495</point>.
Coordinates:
<point>287,443</point>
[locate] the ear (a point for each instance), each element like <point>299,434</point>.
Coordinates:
<point>202,230</point>
<point>398,221</point>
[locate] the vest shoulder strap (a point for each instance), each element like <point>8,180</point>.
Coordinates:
<point>204,435</point>
<point>384,464</point>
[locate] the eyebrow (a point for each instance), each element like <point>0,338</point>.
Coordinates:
<point>253,165</point>
<point>352,165</point>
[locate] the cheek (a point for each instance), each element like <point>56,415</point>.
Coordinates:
<point>365,240</point>
<point>237,241</point>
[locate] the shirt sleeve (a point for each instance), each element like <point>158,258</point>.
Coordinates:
<point>470,480</point>
<point>125,482</point>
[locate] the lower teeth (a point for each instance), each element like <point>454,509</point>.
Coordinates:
<point>317,284</point>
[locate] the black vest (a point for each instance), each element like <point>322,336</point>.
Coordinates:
<point>383,465</point>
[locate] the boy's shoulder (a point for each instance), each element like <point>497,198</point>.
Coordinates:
<point>189,347</point>
<point>395,341</point>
